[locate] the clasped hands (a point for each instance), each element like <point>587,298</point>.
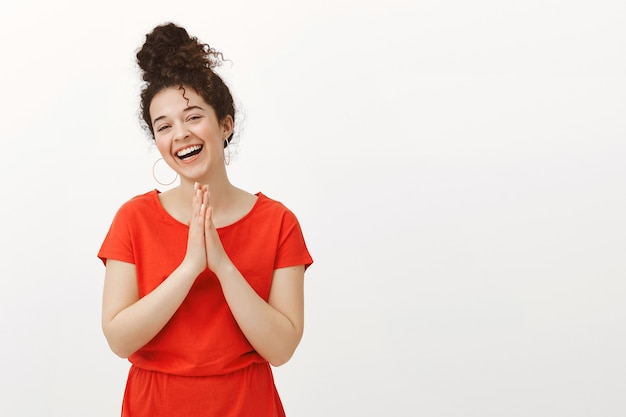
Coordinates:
<point>204,247</point>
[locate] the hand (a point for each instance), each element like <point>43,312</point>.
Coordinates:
<point>216,256</point>
<point>195,257</point>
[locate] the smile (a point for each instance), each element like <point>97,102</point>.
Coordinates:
<point>189,152</point>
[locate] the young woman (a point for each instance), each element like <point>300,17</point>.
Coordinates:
<point>204,282</point>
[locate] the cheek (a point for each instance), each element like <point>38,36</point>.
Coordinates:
<point>163,147</point>
<point>214,138</point>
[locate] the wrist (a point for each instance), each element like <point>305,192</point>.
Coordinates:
<point>190,268</point>
<point>224,269</point>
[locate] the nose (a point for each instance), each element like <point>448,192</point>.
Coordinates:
<point>180,132</point>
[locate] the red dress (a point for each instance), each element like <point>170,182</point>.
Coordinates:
<point>200,363</point>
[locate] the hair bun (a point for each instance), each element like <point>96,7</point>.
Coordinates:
<point>170,58</point>
<point>169,53</point>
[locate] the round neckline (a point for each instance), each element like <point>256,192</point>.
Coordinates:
<point>172,219</point>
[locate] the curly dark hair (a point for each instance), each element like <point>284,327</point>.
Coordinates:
<point>171,58</point>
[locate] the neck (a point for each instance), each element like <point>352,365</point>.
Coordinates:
<point>221,192</point>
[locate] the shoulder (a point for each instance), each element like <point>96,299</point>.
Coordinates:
<point>139,205</point>
<point>140,201</point>
<point>271,211</point>
<point>269,205</point>
<point>290,244</point>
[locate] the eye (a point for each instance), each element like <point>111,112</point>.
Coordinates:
<point>194,117</point>
<point>162,128</point>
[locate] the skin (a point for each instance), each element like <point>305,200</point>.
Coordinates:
<point>274,328</point>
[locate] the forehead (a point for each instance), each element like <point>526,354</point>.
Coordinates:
<point>173,100</point>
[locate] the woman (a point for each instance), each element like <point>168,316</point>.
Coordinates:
<point>204,282</point>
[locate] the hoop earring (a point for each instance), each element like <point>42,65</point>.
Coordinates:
<point>155,177</point>
<point>227,155</point>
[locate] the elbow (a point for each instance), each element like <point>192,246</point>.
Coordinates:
<point>122,353</point>
<point>280,360</point>
<point>284,355</point>
<point>116,347</point>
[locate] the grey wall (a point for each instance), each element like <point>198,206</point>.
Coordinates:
<point>457,167</point>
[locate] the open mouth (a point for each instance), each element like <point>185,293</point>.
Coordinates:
<point>189,152</point>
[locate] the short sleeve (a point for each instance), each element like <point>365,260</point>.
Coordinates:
<point>292,249</point>
<point>118,240</point>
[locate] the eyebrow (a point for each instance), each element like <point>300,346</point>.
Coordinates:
<point>184,111</point>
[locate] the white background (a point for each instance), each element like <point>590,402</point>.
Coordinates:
<point>458,169</point>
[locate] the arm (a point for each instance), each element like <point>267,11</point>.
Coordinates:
<point>129,322</point>
<point>274,328</point>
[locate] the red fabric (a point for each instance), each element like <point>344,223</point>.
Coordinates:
<point>249,392</point>
<point>201,356</point>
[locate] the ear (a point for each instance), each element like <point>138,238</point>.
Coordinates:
<point>227,125</point>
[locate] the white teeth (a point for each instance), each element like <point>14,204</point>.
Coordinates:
<point>186,151</point>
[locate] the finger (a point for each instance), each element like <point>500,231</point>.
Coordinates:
<point>196,187</point>
<point>208,218</point>
<point>197,201</point>
<point>202,213</point>
<point>205,196</point>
